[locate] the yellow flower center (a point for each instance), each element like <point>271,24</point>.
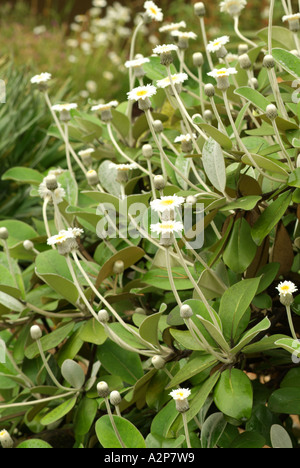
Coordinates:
<point>216,43</point>
<point>285,288</point>
<point>141,93</point>
<point>153,10</point>
<point>221,72</point>
<point>167,202</point>
<point>167,226</point>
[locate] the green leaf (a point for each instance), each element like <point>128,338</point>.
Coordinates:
<point>254,96</point>
<point>214,164</point>
<point>130,435</point>
<point>218,136</point>
<point>251,334</point>
<point>73,373</point>
<point>233,394</point>
<point>234,307</point>
<point>33,443</point>
<point>288,61</point>
<point>70,185</point>
<point>120,122</point>
<point>240,249</point>
<point>193,367</point>
<point>119,361</point>
<point>294,178</point>
<point>290,345</point>
<point>280,437</point>
<point>59,412</point>
<point>159,278</point>
<point>269,164</point>
<point>248,440</point>
<point>244,203</point>
<point>50,341</point>
<point>149,328</point>
<point>212,430</point>
<point>85,415</point>
<point>23,175</point>
<point>93,332</point>
<point>185,338</point>
<point>285,400</point>
<point>270,217</point>
<point>9,303</point>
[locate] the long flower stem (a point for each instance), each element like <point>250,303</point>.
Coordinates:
<point>113,423</point>
<point>239,34</point>
<point>45,218</point>
<point>37,402</point>
<point>290,320</point>
<point>186,430</point>
<point>204,37</point>
<point>171,279</point>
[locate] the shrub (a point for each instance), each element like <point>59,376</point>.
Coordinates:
<point>152,303</point>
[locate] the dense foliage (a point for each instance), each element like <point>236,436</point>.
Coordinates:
<point>150,263</point>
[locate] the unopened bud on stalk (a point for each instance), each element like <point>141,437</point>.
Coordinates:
<point>28,245</point>
<point>158,362</point>
<point>208,116</point>
<point>268,61</point>
<point>147,151</point>
<point>199,9</point>
<point>209,90</point>
<point>103,389</point>
<point>103,316</point>
<point>5,439</point>
<point>159,182</point>
<point>242,49</point>
<point>198,59</point>
<point>253,83</point>
<point>158,126</point>
<point>186,311</point>
<point>144,104</point>
<point>271,112</point>
<point>245,62</point>
<point>118,267</point>
<point>51,182</point>
<point>191,200</point>
<point>35,332</point>
<point>92,177</point>
<point>115,398</point>
<point>4,233</point>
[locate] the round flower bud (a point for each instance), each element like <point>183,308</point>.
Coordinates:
<point>182,405</point>
<point>198,59</point>
<point>118,267</point>
<point>103,316</point>
<point>287,299</point>
<point>147,151</point>
<point>28,245</point>
<point>115,398</point>
<point>209,90</point>
<point>92,177</point>
<point>186,311</point>
<point>158,126</point>
<point>208,115</point>
<point>242,49</point>
<point>191,200</point>
<point>140,310</point>
<point>199,9</point>
<point>103,389</point>
<point>144,104</point>
<point>65,116</point>
<point>5,439</point>
<point>268,61</point>
<point>3,233</point>
<point>159,182</point>
<point>271,112</point>
<point>51,182</point>
<point>35,332</point>
<point>253,83</point>
<point>166,58</point>
<point>158,362</point>
<point>245,62</point>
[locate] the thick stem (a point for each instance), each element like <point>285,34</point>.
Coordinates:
<point>186,430</point>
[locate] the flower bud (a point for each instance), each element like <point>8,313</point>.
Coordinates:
<point>92,177</point>
<point>199,9</point>
<point>103,389</point>
<point>3,233</point>
<point>140,310</point>
<point>245,62</point>
<point>158,362</point>
<point>51,182</point>
<point>147,151</point>
<point>268,61</point>
<point>103,316</point>
<point>242,49</point>
<point>118,267</point>
<point>158,126</point>
<point>28,245</point>
<point>253,83</point>
<point>209,90</point>
<point>35,332</point>
<point>198,59</point>
<point>271,112</point>
<point>208,116</point>
<point>186,311</point>
<point>115,398</point>
<point>5,439</point>
<point>159,182</point>
<point>191,200</point>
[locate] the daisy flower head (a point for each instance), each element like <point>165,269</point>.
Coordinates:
<point>105,110</point>
<point>142,95</point>
<point>166,203</point>
<point>86,156</point>
<point>184,138</point>
<point>172,27</point>
<point>183,38</point>
<point>177,78</point>
<point>233,7</point>
<point>221,75</point>
<point>167,227</point>
<point>64,110</point>
<point>153,12</point>
<point>65,240</point>
<point>286,290</point>
<point>186,142</point>
<point>293,21</point>
<point>55,193</point>
<point>42,78</point>
<point>180,396</point>
<point>137,62</point>
<point>218,44</point>
<point>122,171</point>
<point>165,53</point>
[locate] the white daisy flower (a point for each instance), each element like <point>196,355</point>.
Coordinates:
<point>65,240</point>
<point>294,17</point>
<point>233,7</point>
<point>180,394</point>
<point>5,439</point>
<point>286,287</point>
<point>104,107</point>
<point>42,78</point>
<point>178,78</point>
<point>293,21</point>
<point>142,92</point>
<point>57,195</point>
<point>184,34</point>
<point>75,232</point>
<point>165,49</point>
<point>60,238</point>
<point>123,167</point>
<point>86,152</point>
<point>216,45</point>
<point>172,27</point>
<point>64,107</point>
<point>139,62</point>
<point>153,11</point>
<point>166,203</point>
<point>167,227</point>
<point>220,72</point>
<point>185,138</point>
